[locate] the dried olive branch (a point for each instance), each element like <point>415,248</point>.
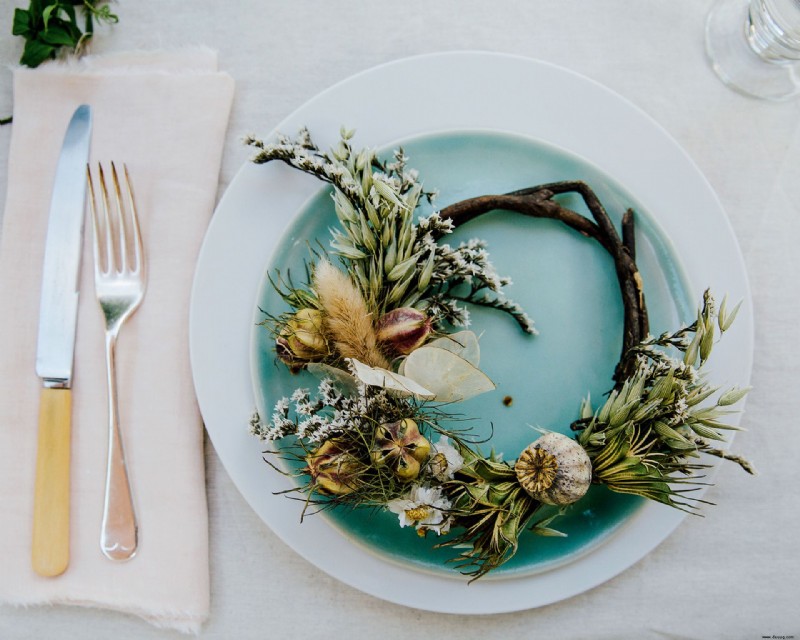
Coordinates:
<point>538,202</point>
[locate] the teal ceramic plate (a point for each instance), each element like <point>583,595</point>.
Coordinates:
<point>534,122</point>
<point>567,284</point>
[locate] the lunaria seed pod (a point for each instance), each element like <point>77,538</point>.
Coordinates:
<point>554,469</point>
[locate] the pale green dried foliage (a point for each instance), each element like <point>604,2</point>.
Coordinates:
<point>648,436</point>
<point>493,509</point>
<point>395,261</point>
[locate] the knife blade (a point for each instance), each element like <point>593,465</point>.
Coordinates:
<point>58,316</point>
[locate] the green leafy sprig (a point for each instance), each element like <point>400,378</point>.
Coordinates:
<point>50,26</point>
<point>647,437</point>
<point>493,510</point>
<point>395,261</point>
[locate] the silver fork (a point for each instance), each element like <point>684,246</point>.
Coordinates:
<point>119,280</point>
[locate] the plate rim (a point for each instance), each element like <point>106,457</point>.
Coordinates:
<point>489,596</point>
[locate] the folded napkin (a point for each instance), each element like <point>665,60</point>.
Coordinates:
<point>165,115</point>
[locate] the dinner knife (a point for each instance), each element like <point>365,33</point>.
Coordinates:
<point>58,316</point>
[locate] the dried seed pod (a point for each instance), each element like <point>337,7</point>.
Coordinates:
<point>304,334</point>
<point>401,446</point>
<point>334,469</point>
<point>554,469</point>
<point>402,330</point>
<point>301,340</point>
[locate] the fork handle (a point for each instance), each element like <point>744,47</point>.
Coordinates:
<point>119,534</point>
<point>50,550</point>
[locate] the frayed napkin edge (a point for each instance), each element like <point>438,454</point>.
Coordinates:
<point>183,622</point>
<point>116,63</point>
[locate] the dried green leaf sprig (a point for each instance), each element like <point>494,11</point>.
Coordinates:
<point>331,413</point>
<point>394,261</point>
<point>492,510</point>
<point>646,439</point>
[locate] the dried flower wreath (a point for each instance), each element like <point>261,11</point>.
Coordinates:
<point>379,333</point>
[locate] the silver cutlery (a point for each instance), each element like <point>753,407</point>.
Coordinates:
<point>120,281</point>
<point>58,316</point>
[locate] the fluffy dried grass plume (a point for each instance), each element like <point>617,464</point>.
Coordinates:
<point>347,321</point>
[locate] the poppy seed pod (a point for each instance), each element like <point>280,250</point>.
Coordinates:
<point>554,469</point>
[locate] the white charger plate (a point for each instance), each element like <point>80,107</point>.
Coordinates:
<point>429,94</point>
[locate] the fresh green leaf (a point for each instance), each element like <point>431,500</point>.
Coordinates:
<point>22,23</point>
<point>49,25</point>
<point>48,12</point>
<point>57,36</point>
<point>35,53</point>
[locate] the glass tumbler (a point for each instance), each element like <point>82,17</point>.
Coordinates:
<point>754,46</point>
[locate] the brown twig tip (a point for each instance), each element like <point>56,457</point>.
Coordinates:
<point>538,202</point>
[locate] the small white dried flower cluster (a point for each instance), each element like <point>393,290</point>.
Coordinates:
<point>404,179</point>
<point>468,264</point>
<point>330,413</point>
<point>433,226</point>
<point>303,154</point>
<point>662,363</point>
<point>673,385</point>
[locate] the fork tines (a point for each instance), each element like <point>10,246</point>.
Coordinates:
<point>117,238</point>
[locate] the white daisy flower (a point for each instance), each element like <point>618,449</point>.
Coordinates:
<point>445,460</point>
<point>424,508</point>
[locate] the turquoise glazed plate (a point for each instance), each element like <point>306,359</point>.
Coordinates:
<point>565,281</point>
<point>534,123</point>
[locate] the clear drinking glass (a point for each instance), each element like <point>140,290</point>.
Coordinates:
<point>754,46</point>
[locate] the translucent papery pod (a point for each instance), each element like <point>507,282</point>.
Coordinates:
<point>400,385</point>
<point>436,372</point>
<point>448,366</point>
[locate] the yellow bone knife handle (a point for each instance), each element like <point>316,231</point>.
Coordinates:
<point>50,554</point>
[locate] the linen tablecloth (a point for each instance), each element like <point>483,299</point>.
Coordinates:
<point>733,574</point>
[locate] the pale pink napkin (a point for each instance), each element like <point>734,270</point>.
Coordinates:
<point>165,115</point>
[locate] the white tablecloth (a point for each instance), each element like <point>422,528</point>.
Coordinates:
<point>734,574</point>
